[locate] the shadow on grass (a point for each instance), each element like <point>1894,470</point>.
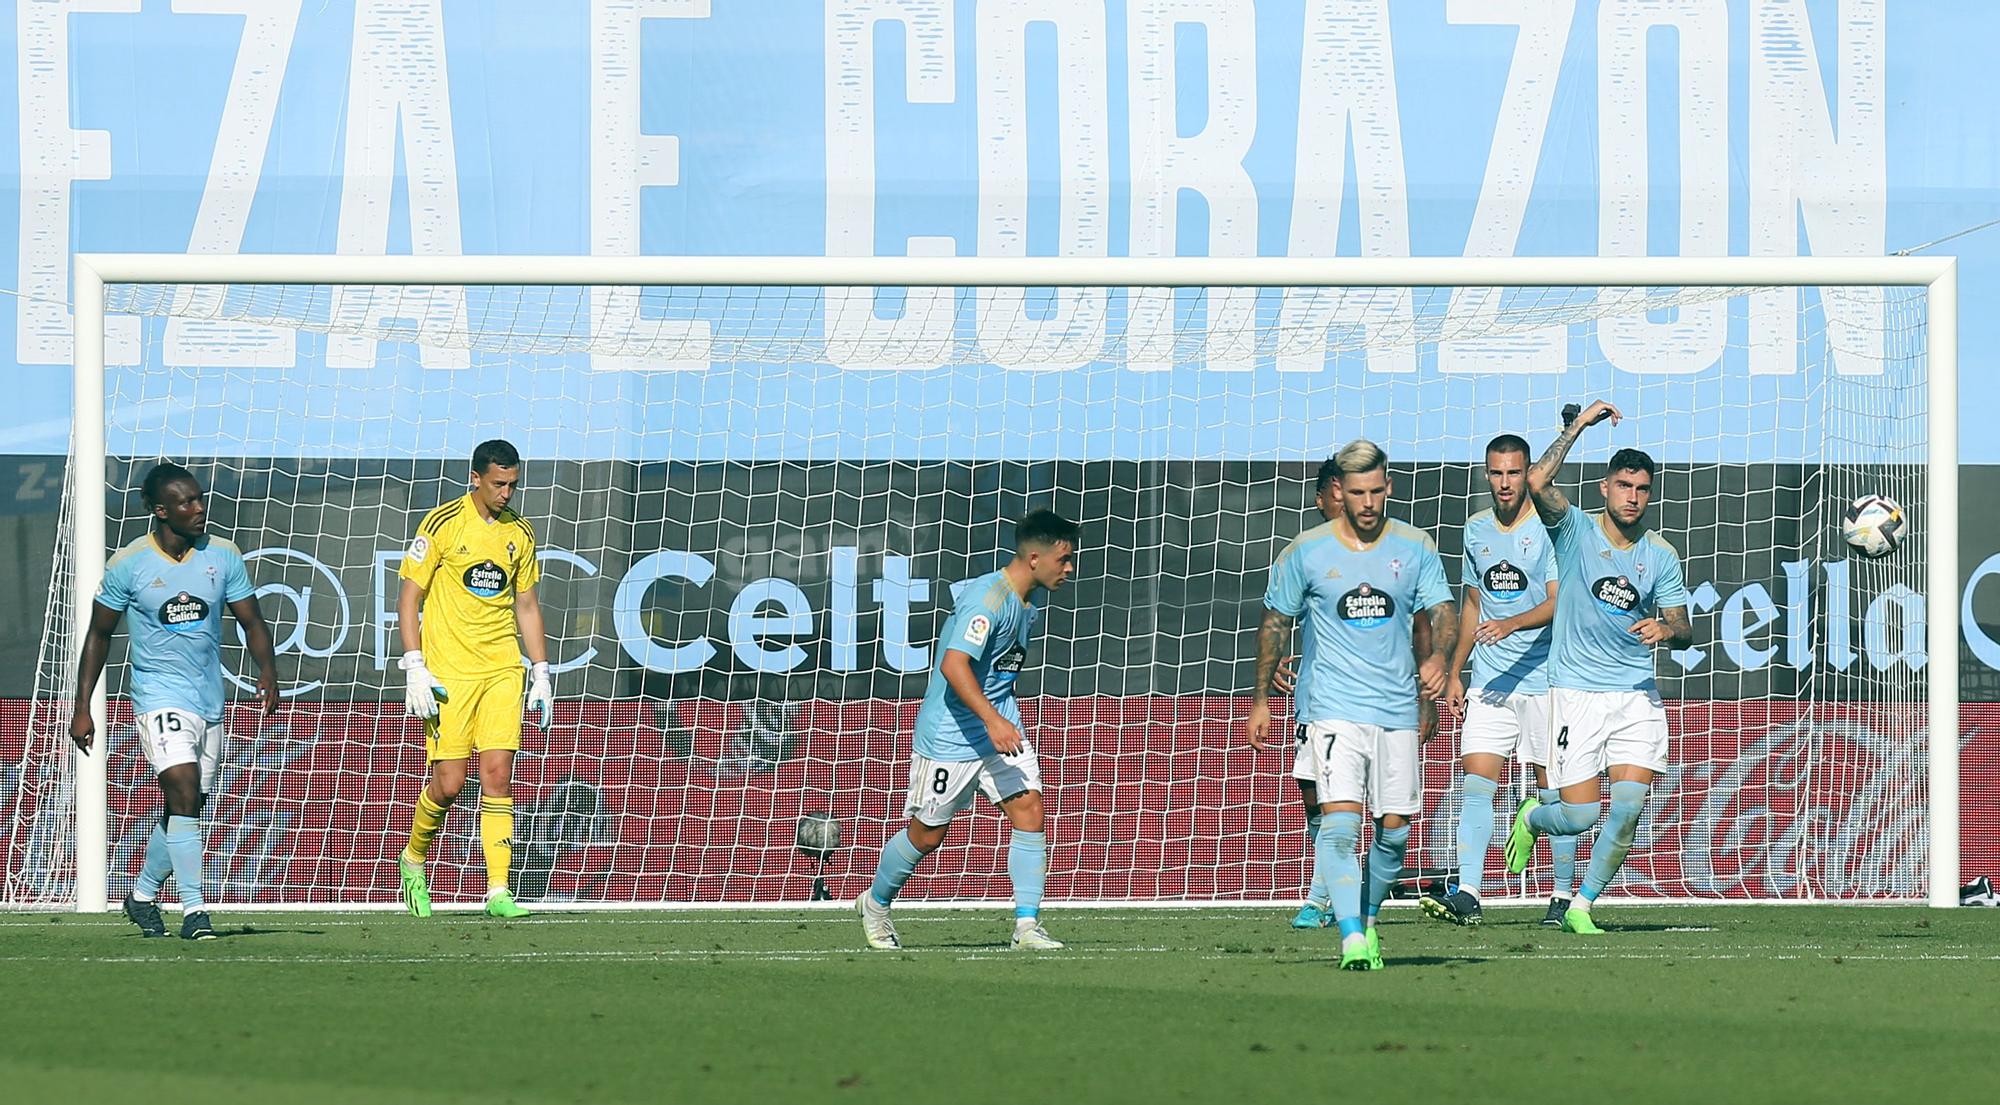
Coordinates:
<point>252,930</point>
<point>1389,961</point>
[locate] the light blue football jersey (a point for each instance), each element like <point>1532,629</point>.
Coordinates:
<point>1603,591</point>
<point>991,625</point>
<point>1511,569</point>
<point>1354,661</point>
<point>173,616</point>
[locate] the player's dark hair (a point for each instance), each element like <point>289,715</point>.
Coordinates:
<point>1509,443</point>
<point>1329,472</point>
<point>158,479</point>
<point>1628,460</point>
<point>1044,527</point>
<point>495,453</point>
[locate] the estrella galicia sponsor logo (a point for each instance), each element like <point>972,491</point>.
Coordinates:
<point>1011,661</point>
<point>486,579</point>
<point>1504,580</point>
<point>184,613</point>
<point>1366,608</point>
<point>1616,594</point>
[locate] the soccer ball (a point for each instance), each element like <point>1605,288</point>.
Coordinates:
<point>1873,526</point>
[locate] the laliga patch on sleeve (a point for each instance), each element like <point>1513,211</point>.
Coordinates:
<point>977,629</point>
<point>420,548</point>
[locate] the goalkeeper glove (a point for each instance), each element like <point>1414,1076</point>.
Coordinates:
<point>421,693</point>
<point>542,694</point>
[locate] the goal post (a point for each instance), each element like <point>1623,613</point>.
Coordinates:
<point>1933,278</point>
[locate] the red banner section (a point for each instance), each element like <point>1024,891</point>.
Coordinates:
<point>1150,798</point>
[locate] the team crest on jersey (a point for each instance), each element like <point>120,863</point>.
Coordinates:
<point>510,550</point>
<point>1504,579</point>
<point>486,579</point>
<point>1396,568</point>
<point>184,612</point>
<point>1640,567</point>
<point>1616,594</point>
<point>1366,608</point>
<point>420,548</point>
<point>977,630</point>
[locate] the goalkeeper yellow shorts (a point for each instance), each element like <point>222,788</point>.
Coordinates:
<point>476,715</point>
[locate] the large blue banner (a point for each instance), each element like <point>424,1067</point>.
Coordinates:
<point>1021,127</point>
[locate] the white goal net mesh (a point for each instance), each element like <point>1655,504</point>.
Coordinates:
<point>754,503</point>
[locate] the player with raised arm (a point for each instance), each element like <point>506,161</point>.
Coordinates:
<point>1508,585</point>
<point>1358,581</point>
<point>1621,595</point>
<point>466,613</point>
<point>1317,912</point>
<point>968,733</point>
<point>170,587</point>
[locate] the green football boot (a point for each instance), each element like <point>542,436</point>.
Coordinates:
<point>1375,948</point>
<point>501,903</point>
<point>416,892</point>
<point>1576,919</point>
<point>1355,955</point>
<point>1521,839</point>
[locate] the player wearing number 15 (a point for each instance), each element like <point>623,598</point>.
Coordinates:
<point>170,587</point>
<point>968,733</point>
<point>471,571</point>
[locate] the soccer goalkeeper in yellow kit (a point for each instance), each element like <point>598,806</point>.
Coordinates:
<point>471,570</point>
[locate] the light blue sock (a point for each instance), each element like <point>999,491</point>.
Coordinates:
<point>1028,866</point>
<point>899,860</point>
<point>1335,866</point>
<point>1563,849</point>
<point>153,874</point>
<point>183,840</point>
<point>1385,864</point>
<point>1317,893</point>
<point>1621,825</point>
<point>1475,831</point>
<point>1564,818</point>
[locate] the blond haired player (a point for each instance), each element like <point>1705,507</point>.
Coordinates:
<point>471,571</point>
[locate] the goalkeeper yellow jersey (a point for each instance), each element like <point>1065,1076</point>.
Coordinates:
<point>470,570</point>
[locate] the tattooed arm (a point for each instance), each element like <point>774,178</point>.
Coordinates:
<point>1550,502</point>
<point>1444,638</point>
<point>1671,628</point>
<point>1274,637</point>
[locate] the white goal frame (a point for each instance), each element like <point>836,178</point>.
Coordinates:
<point>1937,275</point>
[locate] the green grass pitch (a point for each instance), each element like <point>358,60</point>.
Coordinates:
<point>1675,1005</point>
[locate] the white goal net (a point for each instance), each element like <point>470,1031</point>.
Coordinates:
<point>754,502</point>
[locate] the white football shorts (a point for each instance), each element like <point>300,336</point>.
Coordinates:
<point>1595,730</point>
<point>172,737</point>
<point>1503,723</point>
<point>939,789</point>
<point>1356,762</point>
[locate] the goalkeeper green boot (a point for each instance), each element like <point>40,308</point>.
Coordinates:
<point>501,903</point>
<point>1355,954</point>
<point>416,892</point>
<point>1375,949</point>
<point>1576,919</point>
<point>1521,840</point>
